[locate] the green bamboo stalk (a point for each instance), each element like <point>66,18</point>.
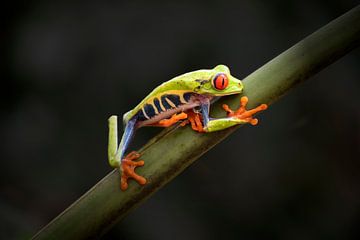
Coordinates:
<point>104,204</point>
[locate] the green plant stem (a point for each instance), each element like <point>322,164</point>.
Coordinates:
<point>104,204</point>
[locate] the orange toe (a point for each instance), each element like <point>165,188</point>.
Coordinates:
<point>128,170</point>
<point>195,120</point>
<point>243,114</point>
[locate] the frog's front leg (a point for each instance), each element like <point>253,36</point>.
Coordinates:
<point>240,116</point>
<point>116,157</point>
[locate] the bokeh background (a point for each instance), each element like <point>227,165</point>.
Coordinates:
<point>67,65</point>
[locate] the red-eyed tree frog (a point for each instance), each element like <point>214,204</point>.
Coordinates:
<point>186,99</point>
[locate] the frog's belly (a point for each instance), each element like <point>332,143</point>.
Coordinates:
<point>167,114</point>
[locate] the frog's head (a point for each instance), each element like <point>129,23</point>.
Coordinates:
<point>221,83</point>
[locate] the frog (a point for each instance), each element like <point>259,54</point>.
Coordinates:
<point>183,100</point>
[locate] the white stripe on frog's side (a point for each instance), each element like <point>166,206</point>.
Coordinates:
<point>144,113</point>
<point>159,104</point>
<point>155,108</point>
<point>182,99</point>
<point>179,93</point>
<point>170,102</point>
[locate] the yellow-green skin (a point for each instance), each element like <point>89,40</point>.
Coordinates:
<point>193,82</point>
<point>187,96</point>
<point>199,82</point>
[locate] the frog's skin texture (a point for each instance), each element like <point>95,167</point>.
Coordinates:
<point>184,99</point>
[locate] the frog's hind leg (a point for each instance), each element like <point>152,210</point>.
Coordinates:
<point>126,164</point>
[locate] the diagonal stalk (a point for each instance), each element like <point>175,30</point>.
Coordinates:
<point>104,204</point>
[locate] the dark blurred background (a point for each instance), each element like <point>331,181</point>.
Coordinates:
<point>67,65</point>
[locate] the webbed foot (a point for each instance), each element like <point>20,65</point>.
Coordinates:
<point>242,113</point>
<point>128,170</point>
<point>195,119</point>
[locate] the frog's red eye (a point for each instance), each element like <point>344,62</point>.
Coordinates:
<point>220,81</point>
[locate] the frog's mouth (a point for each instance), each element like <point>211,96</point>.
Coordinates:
<point>227,94</point>
<point>229,91</point>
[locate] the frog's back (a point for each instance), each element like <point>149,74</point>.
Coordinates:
<point>166,96</point>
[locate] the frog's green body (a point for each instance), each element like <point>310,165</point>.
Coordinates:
<point>174,101</point>
<point>193,82</point>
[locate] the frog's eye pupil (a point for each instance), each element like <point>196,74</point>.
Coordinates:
<point>220,81</point>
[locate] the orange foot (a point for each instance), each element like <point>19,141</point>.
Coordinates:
<point>242,113</point>
<point>127,170</point>
<point>195,119</point>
